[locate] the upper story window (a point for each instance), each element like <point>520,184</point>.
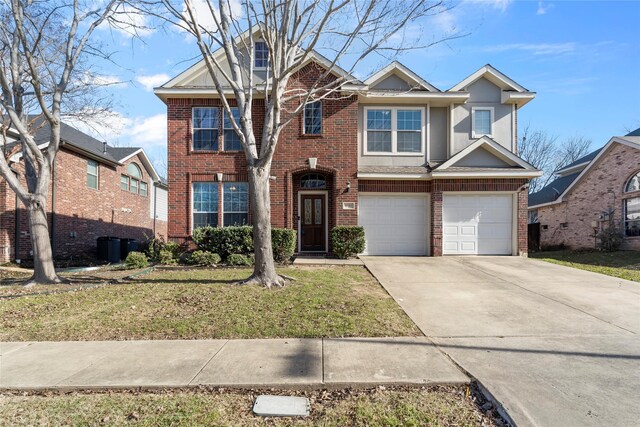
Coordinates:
<point>132,181</point>
<point>261,54</point>
<point>312,118</point>
<point>632,207</point>
<point>134,170</point>
<point>92,174</point>
<point>205,204</point>
<point>313,180</point>
<point>481,121</point>
<point>231,138</point>
<point>235,207</point>
<point>397,131</point>
<point>205,128</point>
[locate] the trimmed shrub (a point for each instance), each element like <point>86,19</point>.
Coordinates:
<point>136,260</point>
<point>224,241</point>
<point>348,240</point>
<point>204,258</point>
<point>239,259</point>
<point>611,237</point>
<point>158,251</point>
<point>283,241</point>
<point>166,257</point>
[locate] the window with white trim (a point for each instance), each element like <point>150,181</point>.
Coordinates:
<point>205,204</point>
<point>481,122</point>
<point>312,118</point>
<point>143,189</point>
<point>92,174</point>
<point>632,208</point>
<point>235,207</point>
<point>261,54</point>
<point>394,130</point>
<point>124,182</point>
<point>205,128</point>
<point>231,137</point>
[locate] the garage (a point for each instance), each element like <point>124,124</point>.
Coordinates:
<point>474,224</point>
<point>395,224</point>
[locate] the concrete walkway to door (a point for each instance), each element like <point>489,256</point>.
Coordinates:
<point>556,346</point>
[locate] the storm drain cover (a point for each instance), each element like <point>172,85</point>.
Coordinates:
<point>281,406</point>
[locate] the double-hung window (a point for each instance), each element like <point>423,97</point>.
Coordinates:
<point>261,55</point>
<point>235,203</point>
<point>632,207</point>
<point>312,118</point>
<point>397,130</point>
<point>481,121</point>
<point>205,204</point>
<point>124,182</point>
<point>92,174</point>
<point>143,189</point>
<point>205,128</point>
<point>231,138</point>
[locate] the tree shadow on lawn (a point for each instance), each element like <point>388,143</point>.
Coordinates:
<point>619,259</point>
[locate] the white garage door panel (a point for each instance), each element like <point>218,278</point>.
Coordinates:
<point>477,224</point>
<point>394,224</point>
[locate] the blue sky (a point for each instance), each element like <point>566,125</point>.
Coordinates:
<point>581,57</point>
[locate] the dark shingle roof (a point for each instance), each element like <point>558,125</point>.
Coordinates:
<point>553,190</point>
<point>583,159</point>
<point>634,133</point>
<point>120,153</point>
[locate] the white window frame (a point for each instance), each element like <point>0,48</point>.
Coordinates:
<point>146,189</point>
<point>224,129</point>
<point>193,193</point>
<point>97,175</point>
<point>624,218</point>
<point>255,44</point>
<point>193,129</point>
<point>221,197</point>
<point>473,121</point>
<point>304,119</point>
<point>394,131</point>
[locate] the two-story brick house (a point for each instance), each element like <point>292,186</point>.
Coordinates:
<point>425,171</point>
<point>96,190</point>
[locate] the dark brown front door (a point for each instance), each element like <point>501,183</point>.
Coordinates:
<point>312,222</point>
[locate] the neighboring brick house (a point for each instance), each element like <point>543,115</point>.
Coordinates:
<point>425,171</point>
<point>586,194</point>
<point>87,198</point>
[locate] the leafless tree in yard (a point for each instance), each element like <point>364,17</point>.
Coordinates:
<point>544,152</point>
<point>43,46</point>
<point>349,31</point>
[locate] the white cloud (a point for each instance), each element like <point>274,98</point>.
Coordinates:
<point>501,5</point>
<point>203,13</point>
<point>155,80</point>
<point>536,48</point>
<point>94,79</point>
<point>542,8</point>
<point>129,22</point>
<point>148,131</point>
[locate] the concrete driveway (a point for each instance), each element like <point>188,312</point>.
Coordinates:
<point>555,345</point>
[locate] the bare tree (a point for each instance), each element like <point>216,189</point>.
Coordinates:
<point>544,152</point>
<point>42,43</point>
<point>349,31</point>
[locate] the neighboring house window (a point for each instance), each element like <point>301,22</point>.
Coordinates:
<point>632,208</point>
<point>261,54</point>
<point>205,204</point>
<point>312,118</point>
<point>236,203</point>
<point>205,128</point>
<point>124,182</point>
<point>394,131</point>
<point>533,216</point>
<point>481,121</point>
<point>132,181</point>
<point>313,181</point>
<point>92,174</point>
<point>134,170</point>
<point>231,138</point>
<point>134,185</point>
<point>143,189</point>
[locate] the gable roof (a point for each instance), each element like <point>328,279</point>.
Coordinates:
<point>634,133</point>
<point>553,190</point>
<point>571,180</point>
<point>494,76</point>
<point>584,160</point>
<point>517,166</point>
<point>402,71</point>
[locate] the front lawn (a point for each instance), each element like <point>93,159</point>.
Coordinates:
<point>437,406</point>
<point>336,301</point>
<point>622,264</point>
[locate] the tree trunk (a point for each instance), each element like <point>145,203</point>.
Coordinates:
<point>43,270</point>
<point>264,270</point>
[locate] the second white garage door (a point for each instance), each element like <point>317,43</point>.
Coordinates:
<point>477,224</point>
<point>394,224</point>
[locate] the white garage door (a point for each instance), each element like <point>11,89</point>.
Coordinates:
<point>477,224</point>
<point>394,224</point>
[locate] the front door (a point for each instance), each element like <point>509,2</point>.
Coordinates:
<point>312,222</point>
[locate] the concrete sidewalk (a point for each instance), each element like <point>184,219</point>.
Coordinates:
<point>304,363</point>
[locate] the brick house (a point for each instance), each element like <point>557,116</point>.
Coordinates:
<point>424,171</point>
<point>586,194</point>
<point>87,198</point>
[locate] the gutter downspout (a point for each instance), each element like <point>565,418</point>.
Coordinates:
<point>155,207</point>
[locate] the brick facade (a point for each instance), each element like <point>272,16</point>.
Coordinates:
<point>570,223</point>
<point>82,214</point>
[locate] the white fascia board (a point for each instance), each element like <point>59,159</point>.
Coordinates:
<point>147,163</point>
<point>517,98</point>
<point>492,174</point>
<point>542,205</point>
<point>397,68</point>
<point>377,96</point>
<point>17,156</point>
<point>572,169</point>
<point>495,148</point>
<point>373,175</point>
<point>494,75</point>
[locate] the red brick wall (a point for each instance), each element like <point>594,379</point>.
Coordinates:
<point>7,222</point>
<point>83,214</point>
<point>335,150</point>
<point>599,190</point>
